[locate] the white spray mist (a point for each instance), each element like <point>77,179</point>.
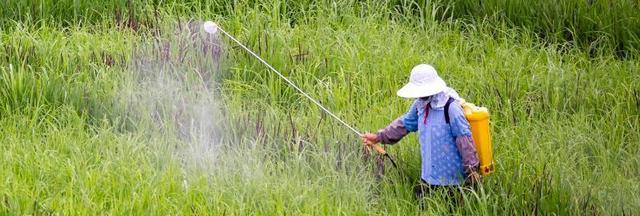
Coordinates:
<point>170,92</point>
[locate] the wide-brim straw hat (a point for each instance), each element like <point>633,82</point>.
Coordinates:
<point>423,82</point>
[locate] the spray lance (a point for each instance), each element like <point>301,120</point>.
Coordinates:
<point>212,28</point>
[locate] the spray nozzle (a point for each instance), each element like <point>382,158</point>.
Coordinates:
<point>210,27</point>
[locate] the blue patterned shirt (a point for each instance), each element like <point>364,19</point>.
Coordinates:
<point>441,160</point>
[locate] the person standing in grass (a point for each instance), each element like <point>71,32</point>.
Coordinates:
<point>449,157</point>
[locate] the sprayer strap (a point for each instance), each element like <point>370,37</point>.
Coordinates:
<point>446,109</point>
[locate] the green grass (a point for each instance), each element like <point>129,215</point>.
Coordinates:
<point>588,24</point>
<point>591,25</point>
<point>85,132</point>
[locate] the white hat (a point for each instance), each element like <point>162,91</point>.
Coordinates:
<point>424,81</point>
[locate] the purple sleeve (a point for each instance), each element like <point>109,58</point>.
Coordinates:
<point>392,133</point>
<point>468,152</point>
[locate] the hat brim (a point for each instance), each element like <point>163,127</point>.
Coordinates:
<point>411,90</point>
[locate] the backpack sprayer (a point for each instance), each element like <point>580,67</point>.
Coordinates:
<point>212,28</point>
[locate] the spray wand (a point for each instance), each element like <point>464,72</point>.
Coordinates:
<point>212,28</point>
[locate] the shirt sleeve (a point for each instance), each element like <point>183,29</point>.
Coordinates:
<point>395,131</point>
<point>462,132</point>
<point>467,150</point>
<point>457,120</point>
<point>410,119</point>
<point>392,133</point>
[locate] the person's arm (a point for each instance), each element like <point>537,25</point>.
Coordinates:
<point>393,133</point>
<point>398,128</point>
<point>462,132</point>
<point>467,150</point>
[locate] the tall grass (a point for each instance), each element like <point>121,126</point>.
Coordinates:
<point>47,67</point>
<point>564,122</point>
<point>592,25</point>
<point>588,24</point>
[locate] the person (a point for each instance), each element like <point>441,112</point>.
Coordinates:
<point>447,151</point>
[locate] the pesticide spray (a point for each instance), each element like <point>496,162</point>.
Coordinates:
<point>212,28</point>
<point>169,94</point>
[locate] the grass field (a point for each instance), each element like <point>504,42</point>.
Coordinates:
<point>117,108</point>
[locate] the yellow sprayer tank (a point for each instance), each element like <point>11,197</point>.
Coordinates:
<point>478,118</point>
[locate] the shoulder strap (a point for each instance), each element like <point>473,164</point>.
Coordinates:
<point>446,109</point>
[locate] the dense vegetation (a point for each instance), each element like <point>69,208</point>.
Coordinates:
<point>98,103</point>
<point>587,24</point>
<point>591,25</point>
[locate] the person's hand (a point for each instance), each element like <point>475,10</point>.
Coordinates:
<point>370,139</point>
<point>473,178</point>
